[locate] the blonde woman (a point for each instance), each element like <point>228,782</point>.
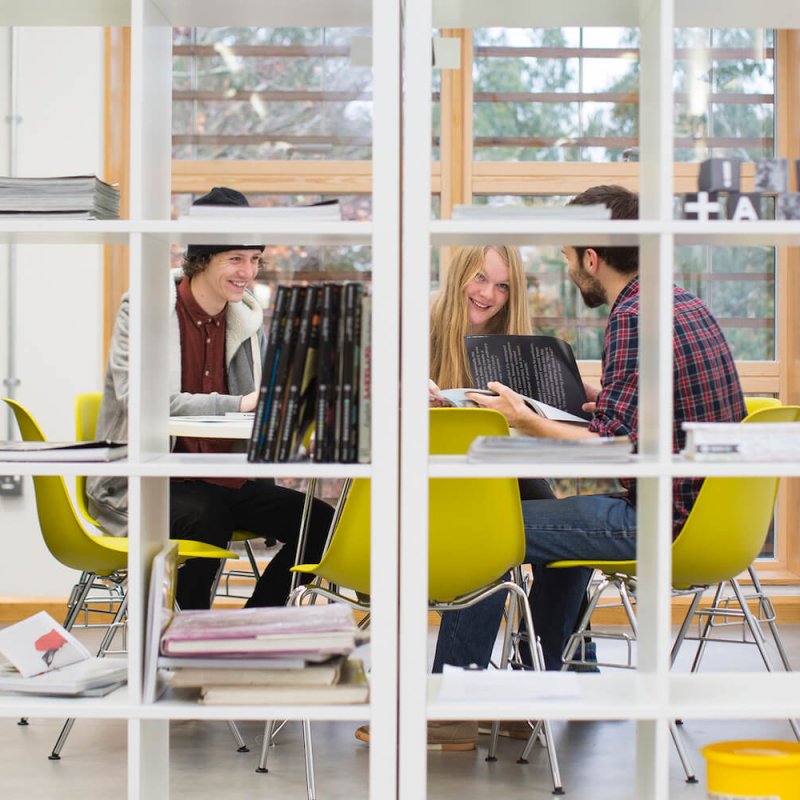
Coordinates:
<point>485,292</point>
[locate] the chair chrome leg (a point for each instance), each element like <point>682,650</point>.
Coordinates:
<point>241,745</point>
<point>705,636</point>
<point>62,738</point>
<point>575,639</point>
<point>81,590</point>
<point>111,631</point>
<point>108,637</point>
<point>309,760</point>
<point>512,619</point>
<point>537,659</point>
<point>773,627</point>
<point>265,745</point>
<point>551,756</point>
<point>251,557</point>
<point>682,754</point>
<point>684,629</point>
<point>755,630</point>
<point>217,578</point>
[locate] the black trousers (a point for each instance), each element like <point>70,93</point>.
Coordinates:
<point>553,620</point>
<point>210,513</point>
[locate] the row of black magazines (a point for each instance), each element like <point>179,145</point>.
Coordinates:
<point>315,376</point>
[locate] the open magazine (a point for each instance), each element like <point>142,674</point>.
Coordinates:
<point>540,368</point>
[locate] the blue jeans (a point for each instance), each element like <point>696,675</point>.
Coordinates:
<point>586,527</point>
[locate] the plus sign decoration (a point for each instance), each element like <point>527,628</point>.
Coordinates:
<point>719,196</point>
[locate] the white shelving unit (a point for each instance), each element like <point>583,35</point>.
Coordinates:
<point>651,695</point>
<point>403,695</point>
<point>149,232</point>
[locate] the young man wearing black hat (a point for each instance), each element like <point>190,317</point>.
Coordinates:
<point>216,345</point>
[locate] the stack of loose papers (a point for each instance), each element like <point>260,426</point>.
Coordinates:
<point>734,441</point>
<point>525,449</point>
<point>68,197</point>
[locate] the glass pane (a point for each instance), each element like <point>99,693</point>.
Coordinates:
<point>267,93</point>
<point>738,285</point>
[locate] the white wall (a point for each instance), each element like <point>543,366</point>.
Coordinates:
<point>58,298</point>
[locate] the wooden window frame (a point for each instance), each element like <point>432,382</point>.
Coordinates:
<point>456,177</point>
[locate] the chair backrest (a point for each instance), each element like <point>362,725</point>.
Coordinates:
<point>757,403</point>
<point>87,409</point>
<point>729,522</point>
<point>475,531</point>
<point>61,528</point>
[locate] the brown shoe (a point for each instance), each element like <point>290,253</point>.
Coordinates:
<point>442,735</point>
<point>511,728</point>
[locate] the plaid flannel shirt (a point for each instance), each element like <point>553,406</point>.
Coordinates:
<point>705,382</point>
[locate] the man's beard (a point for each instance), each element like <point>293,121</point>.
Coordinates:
<point>592,292</point>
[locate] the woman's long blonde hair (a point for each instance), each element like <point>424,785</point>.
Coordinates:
<point>449,319</point>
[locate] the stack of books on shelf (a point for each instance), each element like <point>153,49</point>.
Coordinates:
<point>316,376</point>
<point>67,197</point>
<point>734,441</point>
<point>265,655</point>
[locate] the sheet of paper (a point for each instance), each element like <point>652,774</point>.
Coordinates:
<point>498,686</point>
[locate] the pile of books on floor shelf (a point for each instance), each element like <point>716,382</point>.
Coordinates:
<point>66,197</point>
<point>291,655</point>
<point>316,376</point>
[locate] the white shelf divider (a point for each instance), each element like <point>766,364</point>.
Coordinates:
<point>416,219</point>
<point>384,756</point>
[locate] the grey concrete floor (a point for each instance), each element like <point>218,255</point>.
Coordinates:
<point>596,758</point>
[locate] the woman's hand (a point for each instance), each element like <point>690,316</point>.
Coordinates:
<point>510,404</point>
<point>435,400</point>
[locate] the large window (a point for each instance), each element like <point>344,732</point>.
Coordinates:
<point>285,114</point>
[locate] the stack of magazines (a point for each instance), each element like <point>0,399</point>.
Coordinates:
<point>67,197</point>
<point>522,449</point>
<point>732,441</point>
<point>277,655</point>
<point>325,211</point>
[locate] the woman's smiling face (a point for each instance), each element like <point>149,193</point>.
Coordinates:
<point>487,292</point>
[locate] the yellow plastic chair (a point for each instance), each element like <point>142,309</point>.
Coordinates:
<point>87,409</point>
<point>722,536</point>
<point>96,557</point>
<point>69,542</point>
<point>475,537</point>
<point>727,606</point>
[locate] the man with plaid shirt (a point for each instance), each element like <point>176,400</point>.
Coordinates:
<point>602,527</point>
